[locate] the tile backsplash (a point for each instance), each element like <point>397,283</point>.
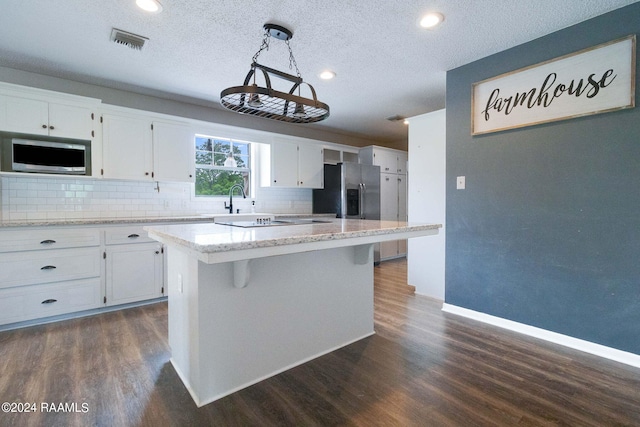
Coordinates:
<point>38,197</point>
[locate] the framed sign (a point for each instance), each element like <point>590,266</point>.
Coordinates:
<point>591,81</point>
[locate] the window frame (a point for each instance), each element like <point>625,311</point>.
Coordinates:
<point>249,169</point>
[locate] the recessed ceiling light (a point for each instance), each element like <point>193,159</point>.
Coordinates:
<point>150,5</point>
<point>327,75</point>
<point>430,20</point>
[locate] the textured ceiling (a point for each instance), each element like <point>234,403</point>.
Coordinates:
<point>386,65</point>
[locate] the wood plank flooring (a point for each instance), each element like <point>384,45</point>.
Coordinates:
<point>422,368</point>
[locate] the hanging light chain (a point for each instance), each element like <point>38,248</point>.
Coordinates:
<point>265,45</point>
<point>292,60</point>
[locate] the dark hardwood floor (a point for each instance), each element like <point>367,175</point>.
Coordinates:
<point>422,368</point>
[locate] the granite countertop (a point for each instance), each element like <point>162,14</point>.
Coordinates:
<point>215,242</point>
<point>205,218</point>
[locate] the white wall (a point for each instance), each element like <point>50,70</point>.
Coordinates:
<point>426,201</point>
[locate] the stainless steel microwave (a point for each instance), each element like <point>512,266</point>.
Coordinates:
<point>68,157</point>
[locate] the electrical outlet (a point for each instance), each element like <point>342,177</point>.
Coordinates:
<point>460,183</point>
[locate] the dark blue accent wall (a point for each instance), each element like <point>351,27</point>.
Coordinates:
<point>547,231</point>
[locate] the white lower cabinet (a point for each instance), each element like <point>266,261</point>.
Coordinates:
<point>51,299</point>
<point>134,272</point>
<point>20,268</point>
<point>49,271</point>
<point>134,265</point>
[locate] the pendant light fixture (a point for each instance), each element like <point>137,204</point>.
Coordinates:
<point>270,103</point>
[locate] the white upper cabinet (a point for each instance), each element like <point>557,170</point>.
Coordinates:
<point>39,117</point>
<point>140,148</point>
<point>291,165</point>
<point>310,166</point>
<point>70,121</point>
<point>389,160</point>
<point>173,152</point>
<point>335,155</point>
<point>126,147</point>
<point>284,165</point>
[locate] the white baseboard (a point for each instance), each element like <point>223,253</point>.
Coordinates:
<point>565,340</point>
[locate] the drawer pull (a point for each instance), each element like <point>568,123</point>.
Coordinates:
<point>133,236</point>
<point>47,242</point>
<point>48,267</point>
<point>49,301</point>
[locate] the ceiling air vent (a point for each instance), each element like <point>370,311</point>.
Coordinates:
<point>131,40</point>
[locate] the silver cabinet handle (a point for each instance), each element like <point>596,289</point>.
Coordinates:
<point>49,301</point>
<point>133,236</point>
<point>48,267</point>
<point>47,242</point>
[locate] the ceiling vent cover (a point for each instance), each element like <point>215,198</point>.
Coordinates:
<point>125,38</point>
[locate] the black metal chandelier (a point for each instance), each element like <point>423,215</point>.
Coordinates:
<point>267,102</point>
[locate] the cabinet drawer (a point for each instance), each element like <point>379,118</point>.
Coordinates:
<point>49,238</point>
<point>125,235</point>
<point>32,302</point>
<point>19,268</point>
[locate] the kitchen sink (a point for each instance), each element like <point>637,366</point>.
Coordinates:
<point>273,223</point>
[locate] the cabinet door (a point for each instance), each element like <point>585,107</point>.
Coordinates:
<point>25,115</point>
<point>70,121</point>
<point>387,160</point>
<point>388,197</point>
<point>134,272</point>
<point>388,210</point>
<point>284,164</point>
<point>126,145</point>
<point>402,163</point>
<point>173,152</point>
<point>310,166</point>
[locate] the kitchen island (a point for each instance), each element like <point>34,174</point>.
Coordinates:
<point>246,303</point>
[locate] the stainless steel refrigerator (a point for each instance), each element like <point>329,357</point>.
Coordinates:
<point>351,190</point>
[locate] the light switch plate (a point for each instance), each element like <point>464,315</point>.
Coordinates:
<point>460,183</point>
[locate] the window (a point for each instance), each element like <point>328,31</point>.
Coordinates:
<point>220,164</point>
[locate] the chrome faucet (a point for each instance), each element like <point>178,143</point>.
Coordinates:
<point>233,187</point>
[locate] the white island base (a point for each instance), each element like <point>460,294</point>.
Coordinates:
<point>233,324</point>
